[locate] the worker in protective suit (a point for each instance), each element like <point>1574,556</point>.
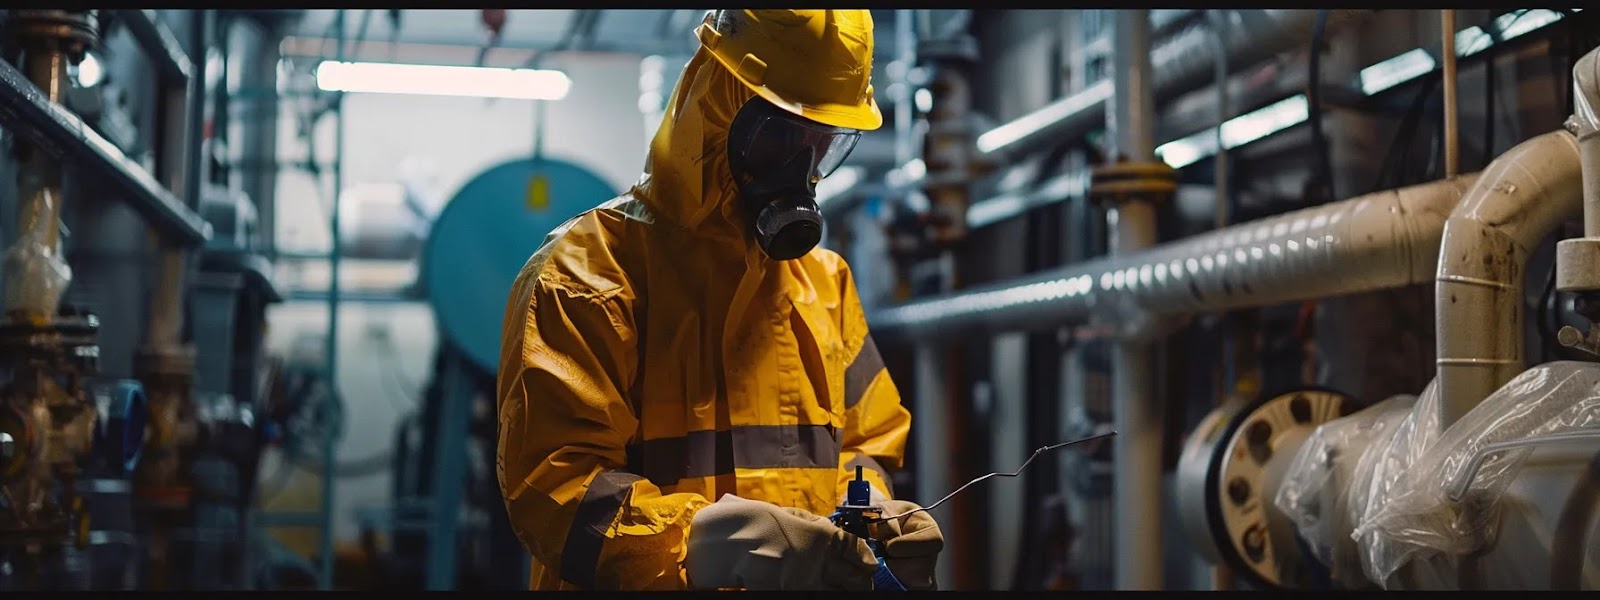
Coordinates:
<point>686,381</point>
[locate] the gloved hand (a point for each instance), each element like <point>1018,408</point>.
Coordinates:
<point>911,544</point>
<point>740,543</point>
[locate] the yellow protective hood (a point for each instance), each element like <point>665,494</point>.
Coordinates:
<point>687,180</point>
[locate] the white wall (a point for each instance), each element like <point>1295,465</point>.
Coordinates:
<point>597,125</point>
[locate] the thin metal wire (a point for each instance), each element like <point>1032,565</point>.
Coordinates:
<point>1015,473</point>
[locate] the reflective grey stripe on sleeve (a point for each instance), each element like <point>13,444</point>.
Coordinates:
<point>665,461</point>
<point>861,372</point>
<point>598,509</point>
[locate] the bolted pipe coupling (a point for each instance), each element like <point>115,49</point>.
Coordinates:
<point>120,436</point>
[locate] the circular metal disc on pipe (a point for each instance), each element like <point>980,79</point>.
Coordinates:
<point>1228,475</point>
<point>486,233</point>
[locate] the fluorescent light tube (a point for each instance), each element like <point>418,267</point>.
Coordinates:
<point>440,80</point>
<point>1395,71</point>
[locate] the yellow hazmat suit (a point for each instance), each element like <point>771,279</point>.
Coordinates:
<point>653,359</point>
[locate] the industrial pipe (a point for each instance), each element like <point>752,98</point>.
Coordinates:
<point>1514,205</point>
<point>1132,221</point>
<point>1585,121</point>
<point>1180,64</point>
<point>1452,143</point>
<point>46,42</point>
<point>1378,241</point>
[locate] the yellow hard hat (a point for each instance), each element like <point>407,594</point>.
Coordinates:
<point>813,63</point>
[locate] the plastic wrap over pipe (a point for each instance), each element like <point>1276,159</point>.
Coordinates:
<point>1516,203</point>
<point>35,272</point>
<point>1447,501</point>
<point>1378,241</point>
<point>1324,493</point>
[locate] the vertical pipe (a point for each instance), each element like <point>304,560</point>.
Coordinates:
<point>1131,115</point>
<point>1585,123</point>
<point>166,326</point>
<point>165,333</point>
<point>329,443</point>
<point>1009,413</point>
<point>1447,38</point>
<point>449,481</point>
<point>931,437</point>
<point>1137,446</point>
<point>906,55</point>
<point>40,173</point>
<point>258,114</point>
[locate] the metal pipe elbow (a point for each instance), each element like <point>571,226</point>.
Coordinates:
<point>1518,200</point>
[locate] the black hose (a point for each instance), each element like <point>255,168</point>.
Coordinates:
<point>1567,550</point>
<point>1403,137</point>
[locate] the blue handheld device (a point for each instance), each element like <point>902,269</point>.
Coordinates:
<point>857,516</point>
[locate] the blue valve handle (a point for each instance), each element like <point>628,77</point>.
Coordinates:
<point>852,517</point>
<point>121,432</point>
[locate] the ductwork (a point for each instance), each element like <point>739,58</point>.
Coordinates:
<point>1183,63</point>
<point>1516,203</point>
<point>1377,241</point>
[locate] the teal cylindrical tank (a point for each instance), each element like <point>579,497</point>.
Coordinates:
<point>486,233</point>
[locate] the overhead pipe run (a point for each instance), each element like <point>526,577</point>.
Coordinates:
<point>1180,64</point>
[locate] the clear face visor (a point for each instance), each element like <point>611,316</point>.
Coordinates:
<point>765,139</point>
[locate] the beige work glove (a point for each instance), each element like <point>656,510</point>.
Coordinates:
<point>911,544</point>
<point>740,543</point>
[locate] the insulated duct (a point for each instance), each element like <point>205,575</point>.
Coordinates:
<point>1377,241</point>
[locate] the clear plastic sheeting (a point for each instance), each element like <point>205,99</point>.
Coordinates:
<point>1443,505</point>
<point>35,274</point>
<point>1384,466</point>
<point>1317,494</point>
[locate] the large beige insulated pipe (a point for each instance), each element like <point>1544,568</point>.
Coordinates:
<point>1378,241</point>
<point>1516,203</point>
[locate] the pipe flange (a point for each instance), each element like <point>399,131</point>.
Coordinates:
<point>1228,476</point>
<point>1121,181</point>
<point>69,337</point>
<point>1578,265</point>
<point>77,28</point>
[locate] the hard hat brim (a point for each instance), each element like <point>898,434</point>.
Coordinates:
<point>864,117</point>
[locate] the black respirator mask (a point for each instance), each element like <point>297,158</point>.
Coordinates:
<point>777,159</point>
